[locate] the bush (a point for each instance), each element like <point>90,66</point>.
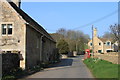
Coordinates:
<point>13,74</point>
<point>9,78</point>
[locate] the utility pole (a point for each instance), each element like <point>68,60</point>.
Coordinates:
<point>92,40</point>
<point>76,42</point>
<point>76,45</point>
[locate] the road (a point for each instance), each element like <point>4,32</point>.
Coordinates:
<point>67,68</point>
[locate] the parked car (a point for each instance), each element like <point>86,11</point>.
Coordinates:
<point>81,53</point>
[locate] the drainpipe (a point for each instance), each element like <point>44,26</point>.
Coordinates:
<point>41,47</point>
<point>103,47</point>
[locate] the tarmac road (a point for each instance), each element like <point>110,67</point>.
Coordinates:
<point>67,68</point>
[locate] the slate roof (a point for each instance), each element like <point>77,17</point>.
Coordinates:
<point>29,20</point>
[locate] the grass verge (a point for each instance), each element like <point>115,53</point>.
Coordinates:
<point>101,68</point>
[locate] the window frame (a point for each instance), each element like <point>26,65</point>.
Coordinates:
<point>2,29</point>
<point>91,44</point>
<point>99,51</point>
<point>7,23</point>
<point>108,42</point>
<point>99,43</point>
<point>9,28</point>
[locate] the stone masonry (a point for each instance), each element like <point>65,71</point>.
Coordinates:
<point>28,37</point>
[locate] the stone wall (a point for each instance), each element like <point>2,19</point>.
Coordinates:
<point>48,47</point>
<point>31,40</point>
<point>16,41</point>
<point>111,57</point>
<point>33,44</point>
<point>38,47</point>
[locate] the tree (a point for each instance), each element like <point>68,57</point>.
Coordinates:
<point>115,29</point>
<point>107,35</point>
<point>63,46</point>
<point>57,36</point>
<point>61,31</point>
<point>76,40</point>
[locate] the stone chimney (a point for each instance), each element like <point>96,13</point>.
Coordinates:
<point>17,2</point>
<point>95,39</point>
<point>95,32</point>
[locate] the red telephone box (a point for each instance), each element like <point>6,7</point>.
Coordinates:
<point>87,53</point>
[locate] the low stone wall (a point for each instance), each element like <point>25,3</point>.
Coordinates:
<point>111,57</point>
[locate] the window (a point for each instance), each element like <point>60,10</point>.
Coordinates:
<point>4,28</point>
<point>108,43</point>
<point>99,51</point>
<point>99,44</point>
<point>7,29</point>
<point>108,51</point>
<point>90,44</point>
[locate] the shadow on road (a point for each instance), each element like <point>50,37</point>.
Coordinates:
<point>63,63</point>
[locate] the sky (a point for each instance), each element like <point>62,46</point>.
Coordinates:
<point>73,15</point>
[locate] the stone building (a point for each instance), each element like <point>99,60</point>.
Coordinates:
<point>21,34</point>
<point>101,45</point>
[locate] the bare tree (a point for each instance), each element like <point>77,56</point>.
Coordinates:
<point>76,40</point>
<point>62,31</point>
<point>108,35</point>
<point>115,29</point>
